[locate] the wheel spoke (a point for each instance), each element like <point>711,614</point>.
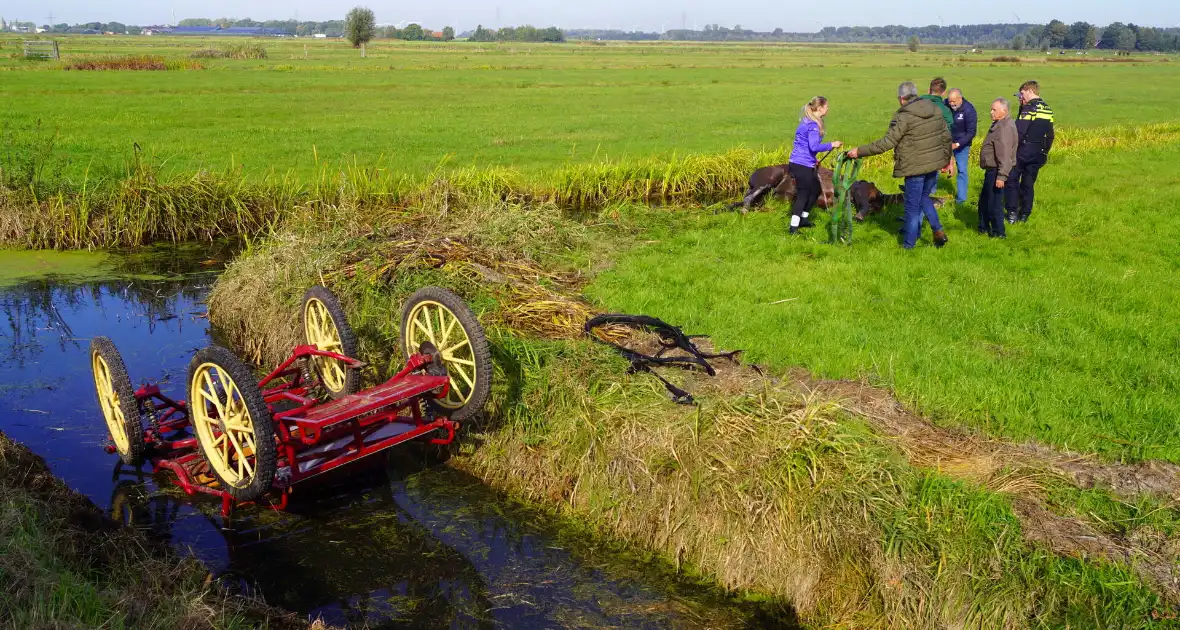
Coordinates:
<point>446,336</point>
<point>453,359</point>
<point>470,381</point>
<point>450,351</point>
<point>210,394</point>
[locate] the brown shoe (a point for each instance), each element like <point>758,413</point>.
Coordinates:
<point>940,238</point>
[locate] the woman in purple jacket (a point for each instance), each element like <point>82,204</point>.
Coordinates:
<point>808,143</point>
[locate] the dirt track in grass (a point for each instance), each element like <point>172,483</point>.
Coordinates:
<point>1018,471</point>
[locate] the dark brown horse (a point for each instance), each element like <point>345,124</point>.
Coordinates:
<point>867,198</point>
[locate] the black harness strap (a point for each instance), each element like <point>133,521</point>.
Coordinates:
<point>670,338</point>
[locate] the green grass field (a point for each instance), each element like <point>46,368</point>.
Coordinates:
<point>409,107</point>
<point>1063,335</point>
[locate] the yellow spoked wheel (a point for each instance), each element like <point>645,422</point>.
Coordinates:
<point>116,398</point>
<point>326,327</point>
<point>232,423</point>
<point>440,318</point>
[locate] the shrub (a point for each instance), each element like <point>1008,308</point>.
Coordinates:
<point>1003,59</point>
<point>245,50</point>
<point>206,53</point>
<point>132,62</point>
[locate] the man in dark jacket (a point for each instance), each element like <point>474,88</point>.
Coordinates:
<point>1035,126</point>
<point>921,145</point>
<point>963,129</point>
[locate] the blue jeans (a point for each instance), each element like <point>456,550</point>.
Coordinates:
<point>918,204</point>
<point>962,157</point>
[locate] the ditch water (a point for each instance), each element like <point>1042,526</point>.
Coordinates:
<point>399,544</point>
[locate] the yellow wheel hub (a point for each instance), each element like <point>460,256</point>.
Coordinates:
<point>321,331</point>
<point>223,425</point>
<point>433,322</point>
<point>112,407</point>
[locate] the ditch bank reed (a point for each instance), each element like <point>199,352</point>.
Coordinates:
<point>142,206</point>
<point>766,488</point>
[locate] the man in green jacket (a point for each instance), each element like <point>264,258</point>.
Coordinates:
<point>921,145</point>
<point>937,96</point>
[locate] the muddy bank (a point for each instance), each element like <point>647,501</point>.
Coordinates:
<point>65,564</point>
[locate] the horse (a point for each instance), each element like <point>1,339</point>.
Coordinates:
<point>867,198</point>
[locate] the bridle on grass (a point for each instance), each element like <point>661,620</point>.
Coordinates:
<point>670,338</point>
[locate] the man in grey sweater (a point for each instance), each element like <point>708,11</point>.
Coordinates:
<point>997,158</point>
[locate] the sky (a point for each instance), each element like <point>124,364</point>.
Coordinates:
<point>647,15</point>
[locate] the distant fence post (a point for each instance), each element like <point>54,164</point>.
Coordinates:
<point>41,49</point>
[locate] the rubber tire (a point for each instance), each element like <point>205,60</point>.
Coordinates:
<point>352,378</point>
<point>265,454</point>
<point>482,389</point>
<point>105,348</point>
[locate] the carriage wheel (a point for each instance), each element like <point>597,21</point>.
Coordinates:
<point>232,423</point>
<point>116,398</point>
<point>440,318</point>
<point>326,327</point>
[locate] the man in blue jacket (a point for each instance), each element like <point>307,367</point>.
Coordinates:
<point>963,129</point>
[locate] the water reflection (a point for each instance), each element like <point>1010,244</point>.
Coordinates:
<point>400,544</point>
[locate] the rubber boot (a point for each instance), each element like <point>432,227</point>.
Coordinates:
<point>806,221</point>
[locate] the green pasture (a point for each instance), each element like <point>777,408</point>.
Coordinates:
<point>1063,333</point>
<point>409,107</point>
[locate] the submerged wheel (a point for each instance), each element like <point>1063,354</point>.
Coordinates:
<point>326,327</point>
<point>232,423</point>
<point>128,505</point>
<point>116,398</point>
<point>440,318</point>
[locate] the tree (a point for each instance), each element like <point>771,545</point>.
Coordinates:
<point>1056,32</point>
<point>914,44</point>
<point>413,33</point>
<point>359,27</point>
<point>1081,35</point>
<point>1045,46</point>
<point>448,34</point>
<point>482,34</point>
<point>117,28</point>
<point>1018,42</point>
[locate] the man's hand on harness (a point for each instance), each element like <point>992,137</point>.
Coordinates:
<point>853,153</point>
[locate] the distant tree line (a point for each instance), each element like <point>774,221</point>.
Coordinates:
<point>610,34</point>
<point>1054,35</point>
<point>524,33</point>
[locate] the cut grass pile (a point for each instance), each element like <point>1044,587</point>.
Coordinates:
<point>64,565</point>
<point>764,487</point>
<point>141,206</point>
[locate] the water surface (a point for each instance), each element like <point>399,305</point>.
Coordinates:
<point>397,543</point>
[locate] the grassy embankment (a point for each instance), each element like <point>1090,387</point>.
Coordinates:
<point>64,565</point>
<point>795,495</point>
<point>142,208</point>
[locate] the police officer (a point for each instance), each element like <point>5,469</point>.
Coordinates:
<point>1034,125</point>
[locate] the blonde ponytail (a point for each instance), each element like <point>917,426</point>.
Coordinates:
<point>810,111</point>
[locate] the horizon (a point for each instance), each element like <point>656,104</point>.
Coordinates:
<point>652,16</point>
